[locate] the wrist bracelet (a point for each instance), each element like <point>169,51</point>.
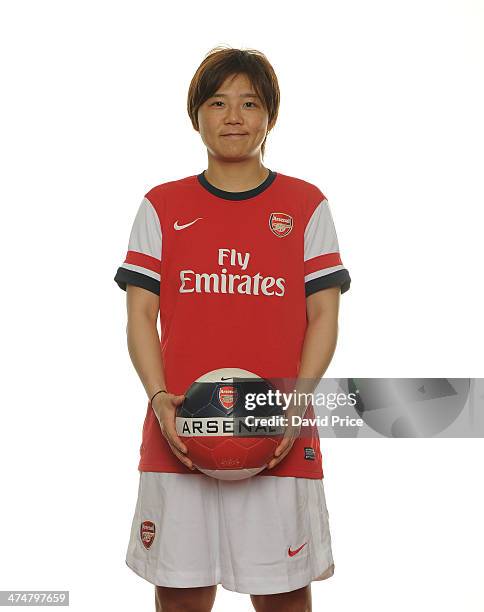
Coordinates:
<point>160,391</point>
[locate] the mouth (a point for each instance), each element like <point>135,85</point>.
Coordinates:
<point>234,135</point>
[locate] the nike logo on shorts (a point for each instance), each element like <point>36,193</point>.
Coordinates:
<point>291,553</point>
<point>180,227</point>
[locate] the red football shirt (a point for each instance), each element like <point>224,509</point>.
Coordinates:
<point>233,270</point>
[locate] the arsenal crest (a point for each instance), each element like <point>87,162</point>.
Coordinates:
<point>147,533</point>
<point>281,224</point>
<point>227,396</point>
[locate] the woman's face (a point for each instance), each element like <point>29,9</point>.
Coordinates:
<point>235,108</point>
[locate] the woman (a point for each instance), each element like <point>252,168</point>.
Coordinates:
<point>273,237</point>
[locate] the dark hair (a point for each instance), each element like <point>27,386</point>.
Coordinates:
<point>222,62</point>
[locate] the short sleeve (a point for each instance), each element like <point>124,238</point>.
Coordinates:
<point>323,267</point>
<point>142,264</point>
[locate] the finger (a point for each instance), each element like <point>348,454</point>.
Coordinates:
<point>282,446</point>
<point>288,438</point>
<point>168,430</point>
<point>174,440</point>
<point>185,460</point>
<point>275,460</point>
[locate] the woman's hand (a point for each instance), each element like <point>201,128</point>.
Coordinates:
<point>164,406</point>
<point>291,433</point>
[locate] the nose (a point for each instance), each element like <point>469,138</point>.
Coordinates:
<point>233,114</point>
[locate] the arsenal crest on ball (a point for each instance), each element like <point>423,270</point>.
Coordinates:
<point>147,533</point>
<point>281,224</point>
<point>227,396</point>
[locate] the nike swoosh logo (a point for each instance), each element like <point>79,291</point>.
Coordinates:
<point>180,227</point>
<point>291,553</point>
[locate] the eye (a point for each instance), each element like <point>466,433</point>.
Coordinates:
<point>220,102</point>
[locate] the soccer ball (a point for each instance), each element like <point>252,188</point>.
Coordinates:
<point>221,429</point>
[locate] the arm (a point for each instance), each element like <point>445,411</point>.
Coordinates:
<point>143,338</point>
<point>322,309</point>
<point>321,336</point>
<point>144,351</point>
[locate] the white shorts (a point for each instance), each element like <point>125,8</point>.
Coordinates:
<point>262,535</point>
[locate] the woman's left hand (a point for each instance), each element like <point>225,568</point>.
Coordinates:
<point>291,432</point>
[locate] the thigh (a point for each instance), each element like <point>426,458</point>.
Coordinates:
<point>274,534</point>
<point>187,600</point>
<point>294,601</point>
<point>174,533</point>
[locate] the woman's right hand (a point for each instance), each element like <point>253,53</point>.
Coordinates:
<point>164,406</point>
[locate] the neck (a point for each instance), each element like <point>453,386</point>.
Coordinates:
<point>236,175</point>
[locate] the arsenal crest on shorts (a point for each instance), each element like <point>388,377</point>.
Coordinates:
<point>227,396</point>
<point>281,224</point>
<point>147,533</point>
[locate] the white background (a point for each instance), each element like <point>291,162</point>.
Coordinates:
<point>382,109</point>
